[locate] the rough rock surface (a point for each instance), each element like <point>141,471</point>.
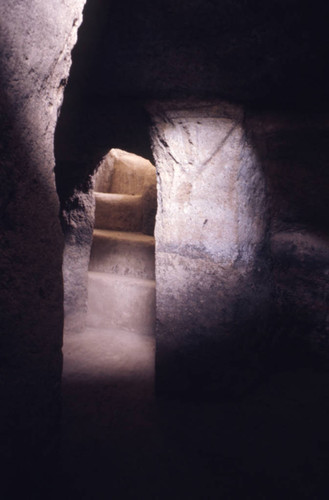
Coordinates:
<point>77,218</point>
<point>211,261</point>
<point>36,42</point>
<point>267,53</point>
<point>301,276</point>
<point>294,152</point>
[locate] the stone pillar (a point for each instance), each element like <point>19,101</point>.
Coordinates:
<point>212,278</point>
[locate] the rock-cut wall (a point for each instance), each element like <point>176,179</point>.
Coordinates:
<point>294,152</point>
<point>212,265</point>
<point>36,39</point>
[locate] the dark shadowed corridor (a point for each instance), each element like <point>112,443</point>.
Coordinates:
<point>120,442</point>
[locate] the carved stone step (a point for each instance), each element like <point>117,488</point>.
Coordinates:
<point>121,302</point>
<point>121,212</point>
<point>123,253</point>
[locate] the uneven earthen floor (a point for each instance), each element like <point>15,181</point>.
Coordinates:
<point>119,442</point>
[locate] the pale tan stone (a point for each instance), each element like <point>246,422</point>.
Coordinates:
<point>123,253</point>
<point>210,230</point>
<point>121,302</point>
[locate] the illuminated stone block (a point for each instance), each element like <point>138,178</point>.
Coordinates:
<point>211,261</point>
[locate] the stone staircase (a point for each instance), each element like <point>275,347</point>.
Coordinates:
<point>121,281</point>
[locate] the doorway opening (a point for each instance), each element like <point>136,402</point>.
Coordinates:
<point>121,274</point>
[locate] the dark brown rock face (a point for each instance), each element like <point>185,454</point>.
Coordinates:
<point>294,150</point>
<point>247,51</point>
<point>35,59</point>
